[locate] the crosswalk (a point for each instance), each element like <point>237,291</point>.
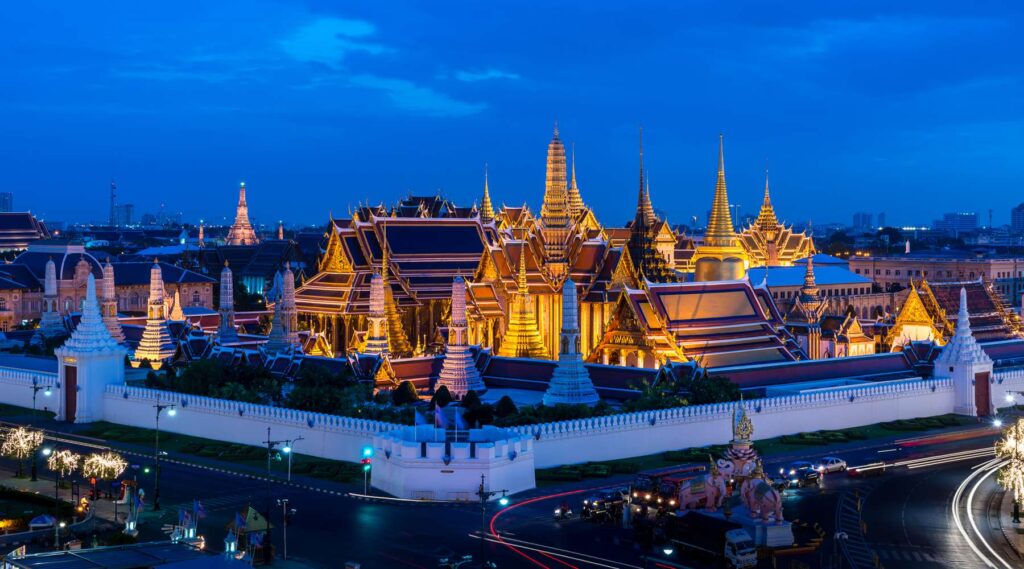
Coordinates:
<point>918,555</point>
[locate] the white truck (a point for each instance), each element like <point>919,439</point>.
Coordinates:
<point>703,535</point>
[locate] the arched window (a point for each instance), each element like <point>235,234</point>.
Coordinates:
<point>135,299</point>
<point>3,303</point>
<point>195,298</point>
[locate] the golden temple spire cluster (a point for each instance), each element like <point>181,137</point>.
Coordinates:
<point>522,336</point>
<point>766,218</point>
<point>241,232</point>
<point>486,208</point>
<point>576,205</point>
<point>720,231</point>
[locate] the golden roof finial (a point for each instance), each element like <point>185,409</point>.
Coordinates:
<point>766,218</point>
<point>486,209</point>
<point>720,231</point>
<point>556,127</point>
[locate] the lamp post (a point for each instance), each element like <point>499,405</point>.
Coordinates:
<point>485,495</point>
<point>285,514</point>
<point>1011,477</point>
<point>171,411</point>
<point>287,449</point>
<point>271,445</point>
<point>36,388</point>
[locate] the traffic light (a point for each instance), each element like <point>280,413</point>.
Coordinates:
<point>366,464</point>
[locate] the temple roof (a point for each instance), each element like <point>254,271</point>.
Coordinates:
<point>18,229</point>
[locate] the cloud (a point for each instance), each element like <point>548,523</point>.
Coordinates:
<point>329,40</point>
<point>411,97</point>
<point>486,75</point>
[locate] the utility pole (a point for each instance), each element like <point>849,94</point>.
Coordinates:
<point>271,444</point>
<point>36,388</point>
<point>485,495</point>
<point>286,513</point>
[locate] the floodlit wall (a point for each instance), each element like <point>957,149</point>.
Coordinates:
<point>566,442</point>
<point>16,387</point>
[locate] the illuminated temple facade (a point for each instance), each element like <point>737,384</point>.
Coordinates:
<point>646,293</point>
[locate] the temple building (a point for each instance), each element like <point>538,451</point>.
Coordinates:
<point>721,257</point>
<point>930,311</point>
<point>241,232</point>
<point>820,334</point>
<point>515,265</point>
<point>769,242</point>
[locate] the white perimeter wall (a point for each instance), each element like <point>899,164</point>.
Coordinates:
<point>566,442</point>
<point>16,388</point>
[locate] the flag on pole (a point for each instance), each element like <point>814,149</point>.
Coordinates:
<point>420,419</point>
<point>460,421</point>
<point>187,520</point>
<point>439,419</point>
<point>239,522</point>
<point>198,509</point>
<point>256,539</point>
<point>181,517</point>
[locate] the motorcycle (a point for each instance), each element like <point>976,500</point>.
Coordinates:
<point>563,513</point>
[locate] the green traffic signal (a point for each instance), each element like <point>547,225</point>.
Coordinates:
<point>366,467</point>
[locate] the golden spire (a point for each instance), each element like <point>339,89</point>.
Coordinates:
<point>576,205</point>
<point>486,209</point>
<point>399,341</point>
<point>766,218</point>
<point>522,336</point>
<point>554,211</point>
<point>720,231</point>
<point>644,210</point>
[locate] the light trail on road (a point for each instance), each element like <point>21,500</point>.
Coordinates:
<point>978,477</point>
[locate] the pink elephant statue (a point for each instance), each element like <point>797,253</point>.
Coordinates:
<point>708,491</point>
<point>761,499</point>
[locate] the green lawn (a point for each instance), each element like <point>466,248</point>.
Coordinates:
<point>250,455</point>
<point>766,447</point>
<point>7,411</point>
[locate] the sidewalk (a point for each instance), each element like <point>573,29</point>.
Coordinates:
<point>1014,533</point>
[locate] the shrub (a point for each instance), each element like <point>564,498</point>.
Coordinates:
<point>442,397</point>
<point>405,394</point>
<point>505,407</point>
<point>471,400</point>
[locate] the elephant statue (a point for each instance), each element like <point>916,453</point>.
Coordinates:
<point>708,491</point>
<point>761,499</point>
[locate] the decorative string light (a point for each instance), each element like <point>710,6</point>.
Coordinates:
<point>106,466</point>
<point>1011,448</point>
<point>20,443</point>
<point>64,462</point>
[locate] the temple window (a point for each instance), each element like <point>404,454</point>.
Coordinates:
<point>195,297</point>
<point>3,303</point>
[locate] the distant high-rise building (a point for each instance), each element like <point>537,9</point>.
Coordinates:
<point>124,214</point>
<point>881,219</point>
<point>6,202</point>
<point>862,221</point>
<point>1017,219</point>
<point>956,223</point>
<point>113,204</point>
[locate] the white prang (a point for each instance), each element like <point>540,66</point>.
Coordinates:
<point>963,360</point>
<point>226,332</point>
<point>458,371</point>
<point>570,383</point>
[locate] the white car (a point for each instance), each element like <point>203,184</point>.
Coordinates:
<point>831,464</point>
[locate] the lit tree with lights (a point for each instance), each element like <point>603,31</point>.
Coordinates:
<point>64,462</point>
<point>1011,477</point>
<point>103,466</point>
<point>19,444</point>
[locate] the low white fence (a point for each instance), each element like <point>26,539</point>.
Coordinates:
<point>16,387</point>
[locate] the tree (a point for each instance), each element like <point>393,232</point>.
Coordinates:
<point>1011,477</point>
<point>505,407</point>
<point>64,462</point>
<point>712,389</point>
<point>659,395</point>
<point>19,444</point>
<point>480,415</point>
<point>839,244</point>
<point>405,394</point>
<point>471,400</point>
<point>442,397</point>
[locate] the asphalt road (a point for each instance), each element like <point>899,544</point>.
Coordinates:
<point>907,515</point>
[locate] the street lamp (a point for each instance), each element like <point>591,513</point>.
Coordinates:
<point>286,514</point>
<point>485,495</point>
<point>171,411</point>
<point>271,445</point>
<point>287,449</point>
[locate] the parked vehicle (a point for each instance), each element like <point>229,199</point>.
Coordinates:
<point>867,470</point>
<point>800,473</point>
<point>659,489</point>
<point>831,464</point>
<point>605,506</point>
<point>711,537</point>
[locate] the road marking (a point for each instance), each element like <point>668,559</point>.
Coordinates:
<point>986,469</point>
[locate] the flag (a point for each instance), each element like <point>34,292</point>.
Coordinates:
<point>460,421</point>
<point>187,520</point>
<point>420,419</point>
<point>439,420</point>
<point>198,509</point>
<point>239,522</point>
<point>256,539</point>
<point>181,517</point>
<point>138,501</point>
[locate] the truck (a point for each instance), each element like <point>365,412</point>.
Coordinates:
<point>658,490</point>
<point>711,537</point>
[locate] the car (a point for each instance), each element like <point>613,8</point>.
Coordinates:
<point>831,464</point>
<point>801,473</point>
<point>605,506</point>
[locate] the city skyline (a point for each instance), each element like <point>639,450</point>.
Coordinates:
<point>375,103</point>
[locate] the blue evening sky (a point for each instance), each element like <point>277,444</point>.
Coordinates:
<point>912,108</point>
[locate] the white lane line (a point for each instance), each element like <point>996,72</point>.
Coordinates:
<point>555,552</point>
<point>956,512</point>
